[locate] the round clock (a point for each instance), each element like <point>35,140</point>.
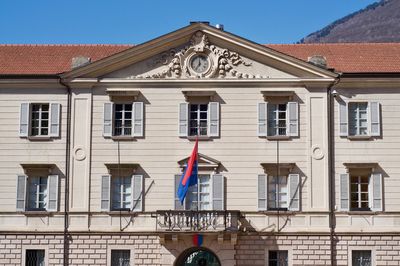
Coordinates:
<point>199,63</point>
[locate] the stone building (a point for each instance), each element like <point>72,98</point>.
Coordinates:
<point>299,152</point>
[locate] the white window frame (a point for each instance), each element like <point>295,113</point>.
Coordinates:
<point>362,248</point>
<point>277,112</point>
<point>289,249</point>
<point>40,120</point>
<point>122,120</point>
<point>121,202</point>
<point>357,119</point>
<point>131,248</point>
<point>277,192</point>
<point>198,119</point>
<point>198,193</point>
<point>359,192</point>
<point>35,247</point>
<point>28,196</point>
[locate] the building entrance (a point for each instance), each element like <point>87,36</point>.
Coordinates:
<point>197,257</point>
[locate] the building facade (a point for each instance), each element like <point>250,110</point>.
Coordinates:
<point>298,159</point>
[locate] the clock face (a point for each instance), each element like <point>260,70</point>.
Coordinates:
<point>199,63</point>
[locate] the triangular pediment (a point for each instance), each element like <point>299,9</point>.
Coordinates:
<point>203,161</point>
<point>200,52</point>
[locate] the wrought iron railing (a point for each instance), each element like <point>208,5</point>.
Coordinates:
<point>192,221</point>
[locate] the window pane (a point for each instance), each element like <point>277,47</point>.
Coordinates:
<point>361,258</point>
<point>278,258</point>
<point>121,193</point>
<point>120,257</point>
<point>34,258</point>
<point>277,192</point>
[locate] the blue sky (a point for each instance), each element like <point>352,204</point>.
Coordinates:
<point>134,22</point>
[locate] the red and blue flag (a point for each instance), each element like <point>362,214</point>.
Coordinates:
<point>189,177</point>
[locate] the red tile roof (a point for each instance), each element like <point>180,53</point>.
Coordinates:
<point>344,57</point>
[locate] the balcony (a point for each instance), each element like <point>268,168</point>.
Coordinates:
<point>197,221</point>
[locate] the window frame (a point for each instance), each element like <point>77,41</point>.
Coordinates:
<point>111,247</point>
<point>359,193</point>
<point>25,248</point>
<point>198,118</point>
<point>121,202</point>
<point>198,194</point>
<point>123,103</point>
<point>276,127</point>
<point>358,118</point>
<point>37,193</point>
<point>277,193</point>
<point>289,250</point>
<point>361,248</point>
<point>40,120</point>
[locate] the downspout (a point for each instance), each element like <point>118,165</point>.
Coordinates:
<point>331,172</point>
<point>67,173</point>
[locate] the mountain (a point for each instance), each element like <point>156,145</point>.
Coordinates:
<point>378,22</point>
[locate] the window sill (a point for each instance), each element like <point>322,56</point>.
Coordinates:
<point>122,212</point>
<point>123,137</point>
<point>277,137</point>
<point>359,137</point>
<point>39,138</point>
<point>366,212</point>
<point>200,138</point>
<point>37,213</point>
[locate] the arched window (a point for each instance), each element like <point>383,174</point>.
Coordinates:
<point>197,257</point>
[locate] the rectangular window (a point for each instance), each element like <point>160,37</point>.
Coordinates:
<point>35,257</point>
<point>37,199</point>
<point>121,193</point>
<point>278,258</point>
<point>358,118</point>
<point>39,119</point>
<point>198,119</point>
<point>277,119</point>
<point>199,196</point>
<point>359,185</point>
<point>361,258</point>
<point>120,257</point>
<point>122,119</point>
<point>277,192</point>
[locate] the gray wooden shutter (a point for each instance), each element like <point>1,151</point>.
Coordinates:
<point>105,192</point>
<point>108,119</point>
<point>178,205</point>
<point>262,119</point>
<point>21,192</point>
<point>344,192</point>
<point>213,119</point>
<point>294,192</point>
<point>218,192</point>
<point>137,193</point>
<point>137,119</point>
<point>343,120</point>
<point>52,193</point>
<point>376,192</point>
<point>262,192</point>
<point>183,119</point>
<point>375,121</point>
<point>24,120</point>
<point>293,119</point>
<point>55,120</point>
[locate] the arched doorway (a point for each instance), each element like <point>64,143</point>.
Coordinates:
<point>197,257</point>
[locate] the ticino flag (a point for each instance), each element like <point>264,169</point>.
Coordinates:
<point>189,177</point>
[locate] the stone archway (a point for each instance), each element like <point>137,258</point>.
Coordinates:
<point>197,257</point>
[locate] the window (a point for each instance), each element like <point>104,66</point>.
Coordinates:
<point>199,119</point>
<point>278,258</point>
<point>37,193</point>
<point>122,193</point>
<point>361,190</point>
<point>359,119</point>
<point>123,119</point>
<point>361,258</point>
<point>277,192</point>
<point>120,257</point>
<point>39,120</point>
<point>359,186</point>
<point>278,119</point>
<point>207,194</point>
<point>35,257</point>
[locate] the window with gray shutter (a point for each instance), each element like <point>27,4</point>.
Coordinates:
<point>344,192</point>
<point>178,205</point>
<point>218,192</point>
<point>183,119</point>
<point>376,190</point>
<point>213,123</point>
<point>262,192</point>
<point>24,120</point>
<point>21,192</point>
<point>262,119</point>
<point>343,119</point>
<point>294,192</point>
<point>108,119</point>
<point>138,119</point>
<point>105,192</point>
<point>375,121</point>
<point>137,197</point>
<point>293,119</point>
<point>52,192</point>
<point>54,119</point>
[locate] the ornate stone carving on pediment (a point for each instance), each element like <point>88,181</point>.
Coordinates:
<point>179,63</point>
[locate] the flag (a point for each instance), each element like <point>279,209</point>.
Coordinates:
<point>189,176</point>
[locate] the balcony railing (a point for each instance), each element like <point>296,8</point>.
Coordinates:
<point>194,221</point>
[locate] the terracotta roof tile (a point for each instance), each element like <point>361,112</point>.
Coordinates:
<point>343,57</point>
